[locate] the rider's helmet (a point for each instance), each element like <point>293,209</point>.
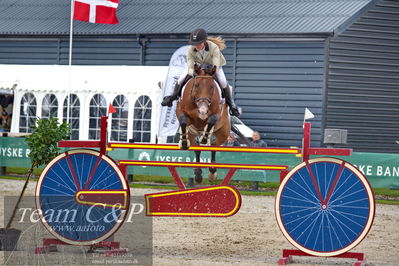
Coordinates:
<point>198,36</point>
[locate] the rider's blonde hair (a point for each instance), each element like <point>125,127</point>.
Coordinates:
<point>218,41</point>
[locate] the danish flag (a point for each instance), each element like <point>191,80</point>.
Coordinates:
<point>96,11</point>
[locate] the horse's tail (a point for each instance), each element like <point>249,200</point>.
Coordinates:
<point>243,139</point>
<point>218,41</point>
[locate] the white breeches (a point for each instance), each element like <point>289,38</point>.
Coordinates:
<point>219,75</point>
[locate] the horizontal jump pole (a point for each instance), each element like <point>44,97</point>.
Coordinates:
<point>203,148</point>
<point>204,165</point>
<point>330,151</point>
<point>79,144</point>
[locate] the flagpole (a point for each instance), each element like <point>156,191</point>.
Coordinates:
<point>71,33</point>
<point>70,59</point>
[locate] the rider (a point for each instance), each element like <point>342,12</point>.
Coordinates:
<point>204,50</point>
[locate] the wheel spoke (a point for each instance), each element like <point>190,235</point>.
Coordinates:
<point>56,190</point>
<point>347,216</point>
<point>308,190</point>
<point>67,175</point>
<point>301,209</point>
<point>300,195</point>
<point>98,178</point>
<point>62,180</point>
<point>347,195</point>
<point>342,184</point>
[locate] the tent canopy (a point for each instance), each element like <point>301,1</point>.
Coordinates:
<point>98,79</point>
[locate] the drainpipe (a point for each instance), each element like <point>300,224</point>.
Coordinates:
<point>141,42</point>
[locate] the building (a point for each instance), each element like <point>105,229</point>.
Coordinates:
<point>335,57</point>
<point>82,94</point>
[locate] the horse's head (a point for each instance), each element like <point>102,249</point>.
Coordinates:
<point>204,88</point>
<point>205,69</point>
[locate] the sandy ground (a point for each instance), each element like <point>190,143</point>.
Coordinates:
<point>251,237</point>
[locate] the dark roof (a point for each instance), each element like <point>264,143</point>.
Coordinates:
<point>182,16</point>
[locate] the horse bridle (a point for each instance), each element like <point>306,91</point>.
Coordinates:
<point>196,87</point>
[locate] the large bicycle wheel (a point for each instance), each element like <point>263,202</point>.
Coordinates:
<point>82,197</point>
<point>325,206</point>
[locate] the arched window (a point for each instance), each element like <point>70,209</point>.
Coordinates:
<point>72,116</point>
<point>119,118</point>
<point>50,106</point>
<point>27,117</point>
<point>142,119</point>
<point>98,108</point>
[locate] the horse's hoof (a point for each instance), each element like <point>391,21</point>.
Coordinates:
<point>212,177</point>
<point>203,140</point>
<point>190,182</point>
<point>198,180</point>
<point>198,175</point>
<point>184,144</point>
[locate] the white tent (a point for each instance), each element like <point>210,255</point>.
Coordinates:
<point>85,82</point>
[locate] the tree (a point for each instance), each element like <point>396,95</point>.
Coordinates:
<point>43,147</point>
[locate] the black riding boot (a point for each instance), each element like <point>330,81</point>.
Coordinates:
<point>230,102</point>
<point>168,100</point>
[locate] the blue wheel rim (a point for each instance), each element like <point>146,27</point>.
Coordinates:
<point>325,206</point>
<point>69,220</point>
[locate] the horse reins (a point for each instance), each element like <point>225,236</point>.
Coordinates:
<point>196,86</point>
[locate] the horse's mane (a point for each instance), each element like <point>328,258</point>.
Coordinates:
<point>218,41</point>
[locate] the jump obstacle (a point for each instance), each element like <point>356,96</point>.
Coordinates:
<point>324,206</point>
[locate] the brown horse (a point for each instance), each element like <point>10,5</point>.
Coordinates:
<point>202,114</point>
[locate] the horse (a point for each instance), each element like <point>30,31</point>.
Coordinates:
<point>202,114</point>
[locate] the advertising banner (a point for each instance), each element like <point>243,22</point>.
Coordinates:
<point>381,169</point>
<point>168,123</point>
<point>14,152</point>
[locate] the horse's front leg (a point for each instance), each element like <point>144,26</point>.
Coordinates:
<point>198,171</point>
<point>212,176</point>
<point>184,143</point>
<point>206,136</point>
